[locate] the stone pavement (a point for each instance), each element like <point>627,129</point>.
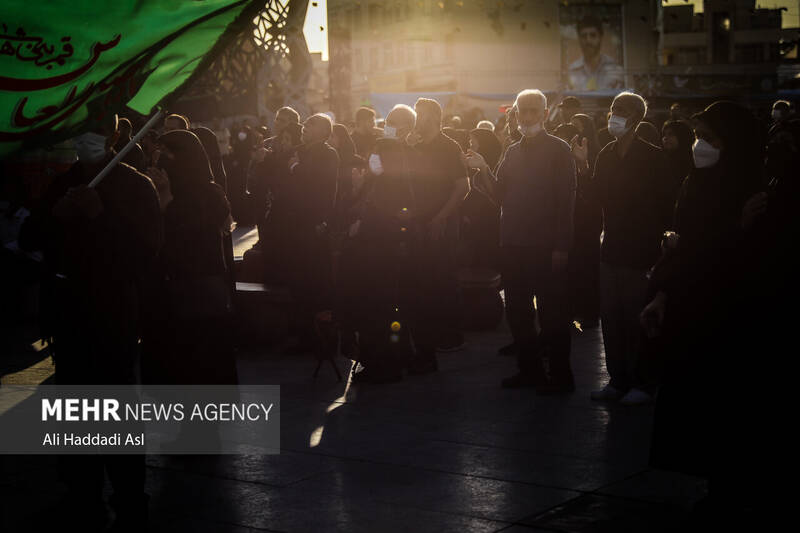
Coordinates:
<point>450,451</point>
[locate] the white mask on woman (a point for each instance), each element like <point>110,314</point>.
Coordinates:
<point>704,154</point>
<point>617,126</point>
<point>242,136</point>
<point>390,132</point>
<point>375,164</point>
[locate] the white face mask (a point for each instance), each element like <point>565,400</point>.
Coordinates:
<point>390,132</point>
<point>242,136</point>
<point>777,114</point>
<point>704,154</point>
<point>375,165</point>
<point>529,131</point>
<point>617,126</point>
<point>91,147</point>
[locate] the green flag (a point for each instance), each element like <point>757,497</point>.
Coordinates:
<point>67,63</point>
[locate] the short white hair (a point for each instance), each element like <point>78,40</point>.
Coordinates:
<point>404,108</point>
<point>636,102</point>
<point>531,92</point>
<point>486,125</point>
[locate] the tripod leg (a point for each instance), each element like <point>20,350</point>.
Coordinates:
<point>316,371</point>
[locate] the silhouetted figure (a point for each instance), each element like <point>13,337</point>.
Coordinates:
<point>480,213</point>
<point>97,243</point>
<point>188,339</point>
<point>311,200</point>
<point>677,139</point>
<point>696,312</point>
<point>636,195</point>
<point>535,186</point>
<point>389,297</point>
<point>211,147</point>
<point>365,132</point>
<point>135,157</point>
<point>584,262</point>
<point>441,184</point>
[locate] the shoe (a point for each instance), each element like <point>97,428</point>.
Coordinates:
<point>519,381</point>
<point>636,397</point>
<point>418,367</point>
<point>606,394</point>
<point>508,350</point>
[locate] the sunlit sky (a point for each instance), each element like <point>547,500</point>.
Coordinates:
<point>790,19</point>
<point>316,27</point>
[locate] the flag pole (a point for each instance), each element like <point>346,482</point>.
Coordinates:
<point>127,148</point>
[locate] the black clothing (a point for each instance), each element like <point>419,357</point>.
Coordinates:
<point>527,273</point>
<point>311,197</point>
<point>90,305</point>
<point>135,157</point>
<point>98,263</point>
<point>436,167</point>
<point>701,279</point>
<point>364,142</point>
<point>536,186</point>
<point>636,196</point>
<point>187,338</point>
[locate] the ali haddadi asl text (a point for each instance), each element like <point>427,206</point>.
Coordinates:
<point>93,439</point>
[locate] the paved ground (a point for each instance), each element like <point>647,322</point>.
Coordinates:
<point>451,451</point>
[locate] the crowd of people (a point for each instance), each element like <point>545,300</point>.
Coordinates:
<point>667,240</point>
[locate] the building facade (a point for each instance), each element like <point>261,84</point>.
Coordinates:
<point>478,54</point>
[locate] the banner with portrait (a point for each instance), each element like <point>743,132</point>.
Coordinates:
<point>592,47</point>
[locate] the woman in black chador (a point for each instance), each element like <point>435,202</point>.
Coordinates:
<point>188,338</point>
<point>700,312</point>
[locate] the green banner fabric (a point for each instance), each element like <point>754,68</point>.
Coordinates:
<point>67,63</point>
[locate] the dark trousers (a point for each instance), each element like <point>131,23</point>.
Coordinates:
<point>309,281</point>
<point>623,292</point>
<point>528,273</point>
<point>90,348</point>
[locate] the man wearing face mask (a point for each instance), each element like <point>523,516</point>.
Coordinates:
<point>535,186</point>
<point>97,243</point>
<point>632,186</point>
<point>399,122</point>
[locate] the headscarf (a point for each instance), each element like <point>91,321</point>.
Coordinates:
<point>189,171</point>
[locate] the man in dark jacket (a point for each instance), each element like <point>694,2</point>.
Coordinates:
<point>535,185</point>
<point>632,186</point>
<point>440,185</point>
<point>314,171</point>
<point>97,243</point>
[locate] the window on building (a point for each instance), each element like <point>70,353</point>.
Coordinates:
<point>372,13</point>
<point>449,50</point>
<point>387,55</point>
<point>358,60</point>
<point>373,59</point>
